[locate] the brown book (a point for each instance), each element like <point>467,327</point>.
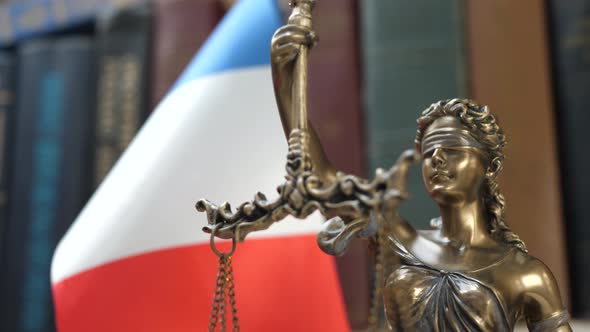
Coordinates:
<point>180,28</point>
<point>510,72</point>
<point>336,114</point>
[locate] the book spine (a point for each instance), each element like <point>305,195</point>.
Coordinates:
<point>124,45</point>
<point>7,95</point>
<point>50,182</point>
<point>413,55</point>
<point>75,62</point>
<point>26,299</point>
<point>106,136</point>
<point>339,122</point>
<point>37,313</point>
<point>571,68</point>
<point>174,49</point>
<point>510,72</point>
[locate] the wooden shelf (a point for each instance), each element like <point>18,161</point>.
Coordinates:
<point>31,18</point>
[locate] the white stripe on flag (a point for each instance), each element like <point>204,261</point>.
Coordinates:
<point>218,137</point>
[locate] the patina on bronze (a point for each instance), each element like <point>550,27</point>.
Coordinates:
<point>470,272</point>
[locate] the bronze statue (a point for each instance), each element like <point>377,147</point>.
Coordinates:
<point>470,272</point>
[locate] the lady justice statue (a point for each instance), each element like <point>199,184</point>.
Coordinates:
<point>470,272</point>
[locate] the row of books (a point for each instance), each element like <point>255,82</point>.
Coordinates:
<point>80,99</point>
<point>70,103</point>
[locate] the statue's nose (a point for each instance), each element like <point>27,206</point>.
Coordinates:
<point>438,157</point>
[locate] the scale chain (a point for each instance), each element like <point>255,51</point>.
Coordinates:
<point>224,291</point>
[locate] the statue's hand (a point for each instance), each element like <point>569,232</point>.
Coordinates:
<point>286,43</point>
<point>298,158</point>
<point>400,170</point>
<point>396,189</point>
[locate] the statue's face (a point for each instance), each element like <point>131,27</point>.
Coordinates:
<point>454,164</point>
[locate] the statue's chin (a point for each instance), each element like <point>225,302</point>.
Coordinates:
<point>446,196</point>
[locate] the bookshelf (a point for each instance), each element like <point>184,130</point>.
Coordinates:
<point>25,19</point>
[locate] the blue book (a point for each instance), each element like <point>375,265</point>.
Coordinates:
<point>20,260</point>
<point>50,183</point>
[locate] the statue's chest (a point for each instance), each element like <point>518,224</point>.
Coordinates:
<point>419,298</point>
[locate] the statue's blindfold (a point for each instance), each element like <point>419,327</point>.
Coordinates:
<point>449,138</point>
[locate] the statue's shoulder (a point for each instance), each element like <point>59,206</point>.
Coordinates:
<point>530,271</point>
<point>540,294</point>
<point>539,287</point>
<point>532,268</point>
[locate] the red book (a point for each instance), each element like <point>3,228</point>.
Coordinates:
<point>335,112</point>
<point>180,28</point>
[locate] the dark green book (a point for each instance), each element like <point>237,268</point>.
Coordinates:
<point>75,62</point>
<point>571,66</point>
<point>413,55</point>
<point>7,95</point>
<point>124,39</point>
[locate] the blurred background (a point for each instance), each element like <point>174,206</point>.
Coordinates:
<point>79,77</point>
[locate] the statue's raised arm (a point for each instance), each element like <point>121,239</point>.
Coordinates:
<point>285,50</point>
<point>312,183</point>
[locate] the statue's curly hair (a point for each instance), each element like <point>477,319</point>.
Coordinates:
<point>484,127</point>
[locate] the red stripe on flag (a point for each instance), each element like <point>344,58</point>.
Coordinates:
<point>282,284</point>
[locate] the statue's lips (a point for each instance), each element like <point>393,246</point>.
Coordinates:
<point>440,176</point>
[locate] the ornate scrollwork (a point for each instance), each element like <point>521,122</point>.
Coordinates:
<point>348,200</point>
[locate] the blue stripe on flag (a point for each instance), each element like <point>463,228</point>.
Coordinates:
<point>242,39</point>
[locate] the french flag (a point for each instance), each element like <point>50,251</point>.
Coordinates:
<point>136,258</point>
